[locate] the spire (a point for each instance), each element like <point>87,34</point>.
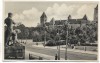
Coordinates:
<point>43,15</point>
<point>85,17</point>
<point>52,19</point>
<point>69,17</point>
<point>96,7</point>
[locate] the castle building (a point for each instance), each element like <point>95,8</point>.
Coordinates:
<point>77,22</point>
<point>60,23</point>
<point>72,22</point>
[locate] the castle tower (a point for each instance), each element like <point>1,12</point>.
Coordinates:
<point>43,19</point>
<point>52,22</point>
<point>69,17</point>
<point>96,13</point>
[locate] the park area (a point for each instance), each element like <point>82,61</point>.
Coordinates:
<point>88,47</point>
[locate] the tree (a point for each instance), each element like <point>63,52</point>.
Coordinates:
<point>26,33</point>
<point>36,36</point>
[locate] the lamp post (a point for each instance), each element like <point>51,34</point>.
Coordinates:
<point>58,45</point>
<point>45,35</point>
<point>59,52</point>
<point>45,38</point>
<point>66,26</point>
<point>57,39</point>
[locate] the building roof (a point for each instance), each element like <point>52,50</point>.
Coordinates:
<point>96,7</point>
<point>74,21</point>
<point>59,22</point>
<point>71,21</point>
<point>85,17</point>
<point>47,23</point>
<point>43,15</point>
<point>52,21</point>
<point>69,17</point>
<point>77,21</point>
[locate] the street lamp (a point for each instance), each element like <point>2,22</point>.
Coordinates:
<point>66,26</point>
<point>45,35</point>
<point>45,38</point>
<point>58,45</point>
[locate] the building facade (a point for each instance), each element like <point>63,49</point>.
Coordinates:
<point>59,23</point>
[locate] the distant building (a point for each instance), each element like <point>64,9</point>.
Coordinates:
<point>43,19</point>
<point>96,13</point>
<point>77,22</point>
<point>73,22</point>
<point>59,23</point>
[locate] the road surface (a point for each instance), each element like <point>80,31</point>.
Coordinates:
<point>70,54</point>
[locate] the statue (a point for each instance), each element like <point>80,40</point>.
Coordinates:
<point>14,35</point>
<point>8,31</point>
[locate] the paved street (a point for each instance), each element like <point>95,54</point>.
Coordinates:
<point>52,52</point>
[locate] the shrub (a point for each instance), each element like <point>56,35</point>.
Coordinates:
<point>88,44</point>
<point>55,43</point>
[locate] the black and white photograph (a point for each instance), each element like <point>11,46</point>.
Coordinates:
<point>50,30</point>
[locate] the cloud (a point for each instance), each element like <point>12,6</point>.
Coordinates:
<point>31,17</point>
<point>61,11</point>
<point>28,17</point>
<point>76,11</point>
<point>86,9</point>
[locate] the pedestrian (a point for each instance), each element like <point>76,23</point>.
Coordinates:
<point>84,48</point>
<point>72,46</point>
<point>56,57</point>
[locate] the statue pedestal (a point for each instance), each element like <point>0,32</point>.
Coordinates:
<point>15,51</point>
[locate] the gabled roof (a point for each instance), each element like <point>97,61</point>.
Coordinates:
<point>52,21</point>
<point>43,15</point>
<point>85,17</point>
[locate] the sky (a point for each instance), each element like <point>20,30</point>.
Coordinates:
<point>28,13</point>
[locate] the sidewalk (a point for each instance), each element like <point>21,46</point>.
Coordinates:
<point>74,50</point>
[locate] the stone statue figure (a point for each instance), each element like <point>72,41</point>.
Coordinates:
<point>9,28</point>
